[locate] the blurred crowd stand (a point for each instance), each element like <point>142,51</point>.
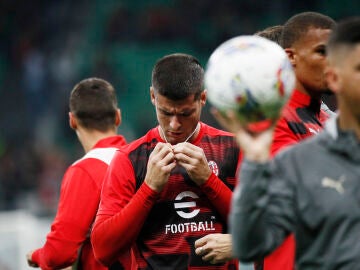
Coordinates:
<point>47,46</point>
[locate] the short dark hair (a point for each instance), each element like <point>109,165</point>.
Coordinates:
<point>177,76</point>
<point>272,33</point>
<point>347,32</point>
<point>299,24</point>
<point>93,102</point>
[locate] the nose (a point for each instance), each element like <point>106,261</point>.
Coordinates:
<point>175,123</point>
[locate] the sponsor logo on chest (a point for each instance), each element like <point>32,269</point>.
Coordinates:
<point>187,210</point>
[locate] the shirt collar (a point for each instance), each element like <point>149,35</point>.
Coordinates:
<point>331,127</point>
<point>300,99</point>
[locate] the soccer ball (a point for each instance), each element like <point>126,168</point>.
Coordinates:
<point>252,76</point>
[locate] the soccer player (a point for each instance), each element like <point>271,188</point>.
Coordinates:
<point>95,117</point>
<point>174,184</point>
<point>304,39</point>
<point>311,189</point>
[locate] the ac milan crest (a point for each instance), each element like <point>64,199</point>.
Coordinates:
<point>214,167</point>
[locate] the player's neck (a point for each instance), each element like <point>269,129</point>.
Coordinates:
<point>89,138</point>
<point>314,94</point>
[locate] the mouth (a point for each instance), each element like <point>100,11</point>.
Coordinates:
<point>175,135</point>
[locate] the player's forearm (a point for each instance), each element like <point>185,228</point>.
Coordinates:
<point>68,231</point>
<point>55,256</point>
<point>219,195</point>
<point>115,234</point>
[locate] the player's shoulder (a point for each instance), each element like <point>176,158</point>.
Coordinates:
<point>289,113</point>
<point>103,154</point>
<point>213,131</point>
<point>150,138</point>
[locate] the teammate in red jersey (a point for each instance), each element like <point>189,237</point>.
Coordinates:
<point>304,39</point>
<point>95,117</point>
<point>311,188</point>
<point>173,185</point>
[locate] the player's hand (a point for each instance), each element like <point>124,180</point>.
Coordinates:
<point>215,248</point>
<point>226,120</point>
<point>193,159</point>
<point>161,162</point>
<point>255,146</point>
<point>30,261</point>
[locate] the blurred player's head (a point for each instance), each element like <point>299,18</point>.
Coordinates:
<point>343,74</point>
<point>272,33</point>
<point>304,39</point>
<point>178,94</point>
<point>93,104</point>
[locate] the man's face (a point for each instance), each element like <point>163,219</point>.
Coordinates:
<point>348,72</point>
<point>178,119</point>
<point>310,60</point>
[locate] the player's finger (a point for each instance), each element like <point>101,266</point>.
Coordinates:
<point>168,159</point>
<point>222,119</point>
<point>200,242</point>
<point>184,150</point>
<point>201,251</point>
<point>208,256</point>
<point>161,150</point>
<point>161,146</point>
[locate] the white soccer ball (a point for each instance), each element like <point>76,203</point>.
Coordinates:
<point>252,76</point>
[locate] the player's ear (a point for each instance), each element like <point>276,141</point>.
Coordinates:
<point>72,121</point>
<point>118,117</point>
<point>203,96</point>
<point>152,95</point>
<point>291,55</point>
<point>333,79</point>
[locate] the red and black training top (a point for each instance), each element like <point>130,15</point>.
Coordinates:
<point>163,227</point>
<point>301,118</point>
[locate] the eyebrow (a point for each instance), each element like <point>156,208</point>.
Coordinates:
<point>186,111</point>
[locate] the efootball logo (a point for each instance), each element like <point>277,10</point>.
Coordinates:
<point>186,205</point>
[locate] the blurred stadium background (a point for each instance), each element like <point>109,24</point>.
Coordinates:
<point>48,46</point>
